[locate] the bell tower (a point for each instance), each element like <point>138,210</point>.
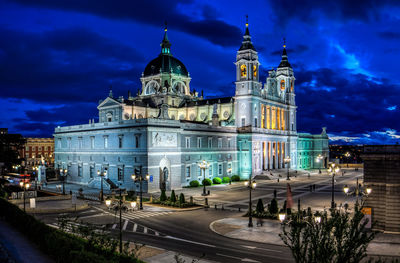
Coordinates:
<point>248,87</point>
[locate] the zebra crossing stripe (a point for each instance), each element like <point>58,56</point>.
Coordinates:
<point>125,224</point>
<point>134,227</point>
<point>145,230</point>
<point>114,226</point>
<point>156,233</point>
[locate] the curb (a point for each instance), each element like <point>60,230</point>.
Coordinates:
<point>55,211</point>
<point>175,208</point>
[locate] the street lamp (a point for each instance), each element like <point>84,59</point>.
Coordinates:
<point>140,179</point>
<point>347,155</point>
<point>287,161</point>
<point>203,166</point>
<point>101,174</point>
<point>333,169</point>
<point>319,158</point>
<point>63,174</point>
<point>119,208</point>
<point>34,173</point>
<point>25,186</point>
<point>282,216</point>
<point>357,191</point>
<point>251,185</point>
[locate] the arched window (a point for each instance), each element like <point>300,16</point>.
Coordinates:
<point>243,71</point>
<point>109,117</point>
<point>282,84</point>
<point>291,85</point>
<point>151,88</point>
<point>179,88</point>
<point>255,71</point>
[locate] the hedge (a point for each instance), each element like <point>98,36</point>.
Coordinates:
<point>226,179</point>
<point>207,181</point>
<point>194,183</point>
<point>60,246</point>
<point>235,178</point>
<point>217,180</point>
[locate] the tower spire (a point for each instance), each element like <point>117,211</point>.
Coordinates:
<point>284,62</point>
<point>246,43</point>
<point>110,94</point>
<point>165,44</point>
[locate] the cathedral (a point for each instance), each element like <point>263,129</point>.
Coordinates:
<point>167,129</point>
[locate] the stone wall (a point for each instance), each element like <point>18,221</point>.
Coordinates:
<point>382,174</point>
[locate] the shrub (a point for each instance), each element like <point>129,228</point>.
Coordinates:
<point>273,208</point>
<point>260,206</point>
<point>194,183</point>
<point>173,197</point>
<point>207,181</point>
<point>226,179</point>
<point>163,196</point>
<point>235,178</point>
<point>217,180</point>
<point>181,198</point>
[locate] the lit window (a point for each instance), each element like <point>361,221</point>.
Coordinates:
<point>105,142</point>
<point>255,71</point>
<point>282,84</point>
<point>243,71</point>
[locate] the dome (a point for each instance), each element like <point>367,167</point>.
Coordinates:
<point>165,63</point>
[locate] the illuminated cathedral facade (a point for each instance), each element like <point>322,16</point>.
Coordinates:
<point>168,129</point>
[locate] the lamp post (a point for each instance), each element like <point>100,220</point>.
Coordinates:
<point>287,161</point>
<point>101,174</point>
<point>25,186</point>
<point>203,166</point>
<point>333,169</point>
<point>319,158</point>
<point>347,155</point>
<point>251,185</point>
<point>34,173</point>
<point>357,191</point>
<point>140,179</point>
<point>119,208</point>
<point>63,174</point>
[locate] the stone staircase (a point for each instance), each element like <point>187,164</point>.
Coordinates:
<point>96,183</point>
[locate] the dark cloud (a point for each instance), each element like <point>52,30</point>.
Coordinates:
<point>153,13</point>
<point>389,35</point>
<point>353,102</point>
<point>341,10</point>
<point>65,65</point>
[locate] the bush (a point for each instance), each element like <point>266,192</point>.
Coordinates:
<point>207,181</point>
<point>194,183</point>
<point>217,180</point>
<point>181,198</point>
<point>173,197</point>
<point>226,179</point>
<point>163,196</point>
<point>235,178</point>
<point>260,206</point>
<point>273,208</point>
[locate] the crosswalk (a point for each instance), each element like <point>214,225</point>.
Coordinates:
<point>132,215</point>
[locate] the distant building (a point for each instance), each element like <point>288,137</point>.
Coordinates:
<point>11,146</point>
<point>382,174</point>
<point>167,129</point>
<point>37,150</point>
<point>337,153</point>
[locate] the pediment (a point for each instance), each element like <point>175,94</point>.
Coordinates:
<point>109,102</point>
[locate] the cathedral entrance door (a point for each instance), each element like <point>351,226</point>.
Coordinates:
<point>164,179</point>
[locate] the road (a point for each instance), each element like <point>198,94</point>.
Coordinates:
<point>188,232</point>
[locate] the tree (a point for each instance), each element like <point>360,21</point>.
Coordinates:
<point>181,198</point>
<point>340,237</point>
<point>173,196</point>
<point>260,206</point>
<point>273,208</point>
<point>163,196</point>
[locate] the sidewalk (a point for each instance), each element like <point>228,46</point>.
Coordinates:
<point>19,248</point>
<point>383,245</point>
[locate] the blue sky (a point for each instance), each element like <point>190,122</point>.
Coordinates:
<point>58,58</point>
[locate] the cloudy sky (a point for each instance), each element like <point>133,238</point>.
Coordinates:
<point>58,58</point>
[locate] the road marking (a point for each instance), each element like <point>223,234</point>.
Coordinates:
<point>114,226</point>
<point>134,227</point>
<point>189,241</point>
<point>125,224</point>
<point>249,260</point>
<point>228,256</point>
<point>145,230</point>
<point>267,249</point>
<point>156,233</point>
<point>96,215</point>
